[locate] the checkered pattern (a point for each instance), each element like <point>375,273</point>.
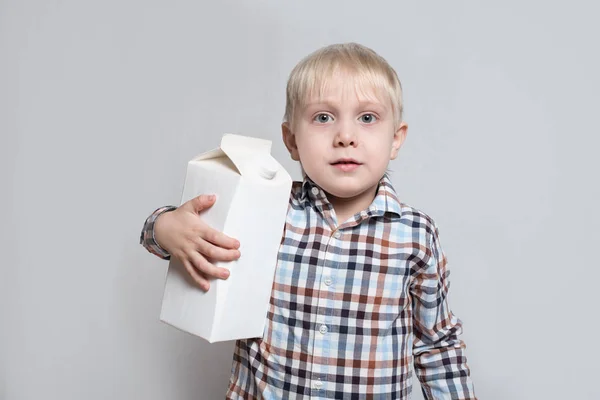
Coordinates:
<point>147,238</point>
<point>353,307</point>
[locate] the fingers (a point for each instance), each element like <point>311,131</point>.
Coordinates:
<point>196,276</point>
<point>220,239</point>
<point>212,252</point>
<point>201,270</point>
<point>201,202</point>
<point>206,268</point>
<point>217,238</point>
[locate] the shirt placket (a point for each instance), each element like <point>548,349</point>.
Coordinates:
<point>323,333</point>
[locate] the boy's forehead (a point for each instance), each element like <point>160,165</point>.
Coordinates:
<point>338,88</point>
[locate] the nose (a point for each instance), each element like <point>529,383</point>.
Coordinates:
<point>345,137</point>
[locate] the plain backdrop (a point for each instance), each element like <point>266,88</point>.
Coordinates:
<point>103,103</point>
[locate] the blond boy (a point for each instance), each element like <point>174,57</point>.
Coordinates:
<point>359,293</point>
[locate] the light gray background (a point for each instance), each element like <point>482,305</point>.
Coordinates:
<point>103,103</point>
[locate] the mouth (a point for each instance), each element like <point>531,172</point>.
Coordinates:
<point>346,164</point>
<point>346,161</point>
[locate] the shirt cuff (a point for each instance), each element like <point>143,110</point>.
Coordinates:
<point>147,238</point>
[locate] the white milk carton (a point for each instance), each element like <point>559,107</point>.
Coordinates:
<point>252,191</point>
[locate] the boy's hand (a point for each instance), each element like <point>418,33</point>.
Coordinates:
<point>186,237</point>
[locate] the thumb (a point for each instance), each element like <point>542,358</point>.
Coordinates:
<point>201,202</point>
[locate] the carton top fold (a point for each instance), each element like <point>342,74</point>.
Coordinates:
<point>249,155</point>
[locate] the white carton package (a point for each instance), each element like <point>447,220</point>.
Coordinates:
<point>252,191</point>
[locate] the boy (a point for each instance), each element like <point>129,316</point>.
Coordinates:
<point>360,287</point>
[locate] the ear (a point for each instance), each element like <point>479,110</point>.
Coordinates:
<point>290,141</point>
<point>399,137</point>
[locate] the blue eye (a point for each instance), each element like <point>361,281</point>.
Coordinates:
<point>368,118</point>
<point>323,118</point>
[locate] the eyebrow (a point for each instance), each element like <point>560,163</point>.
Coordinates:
<point>362,104</point>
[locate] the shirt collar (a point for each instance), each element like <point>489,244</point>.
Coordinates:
<point>385,201</point>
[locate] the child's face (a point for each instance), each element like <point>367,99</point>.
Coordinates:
<point>345,139</point>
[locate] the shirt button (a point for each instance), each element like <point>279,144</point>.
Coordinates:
<point>318,384</point>
<point>328,281</point>
<point>337,234</point>
<point>315,191</point>
<point>375,208</point>
<point>323,329</point>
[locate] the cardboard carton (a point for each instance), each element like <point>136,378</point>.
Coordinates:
<point>252,191</point>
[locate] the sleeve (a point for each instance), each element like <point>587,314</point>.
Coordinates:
<point>440,361</point>
<point>147,238</point>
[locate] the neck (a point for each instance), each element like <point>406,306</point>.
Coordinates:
<point>347,207</point>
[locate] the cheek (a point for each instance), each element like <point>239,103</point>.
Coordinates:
<point>303,145</point>
<point>308,150</point>
<point>309,143</point>
<point>380,153</point>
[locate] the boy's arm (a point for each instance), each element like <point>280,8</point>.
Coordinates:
<point>440,362</point>
<point>147,238</point>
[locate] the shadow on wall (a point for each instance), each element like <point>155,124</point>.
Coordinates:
<point>182,365</point>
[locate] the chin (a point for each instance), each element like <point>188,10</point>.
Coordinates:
<point>343,191</point>
<point>343,187</point>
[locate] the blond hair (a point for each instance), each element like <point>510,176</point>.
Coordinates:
<point>367,68</point>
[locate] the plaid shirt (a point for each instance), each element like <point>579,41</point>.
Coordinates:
<point>353,307</point>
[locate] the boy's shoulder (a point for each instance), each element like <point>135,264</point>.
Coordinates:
<point>416,217</point>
